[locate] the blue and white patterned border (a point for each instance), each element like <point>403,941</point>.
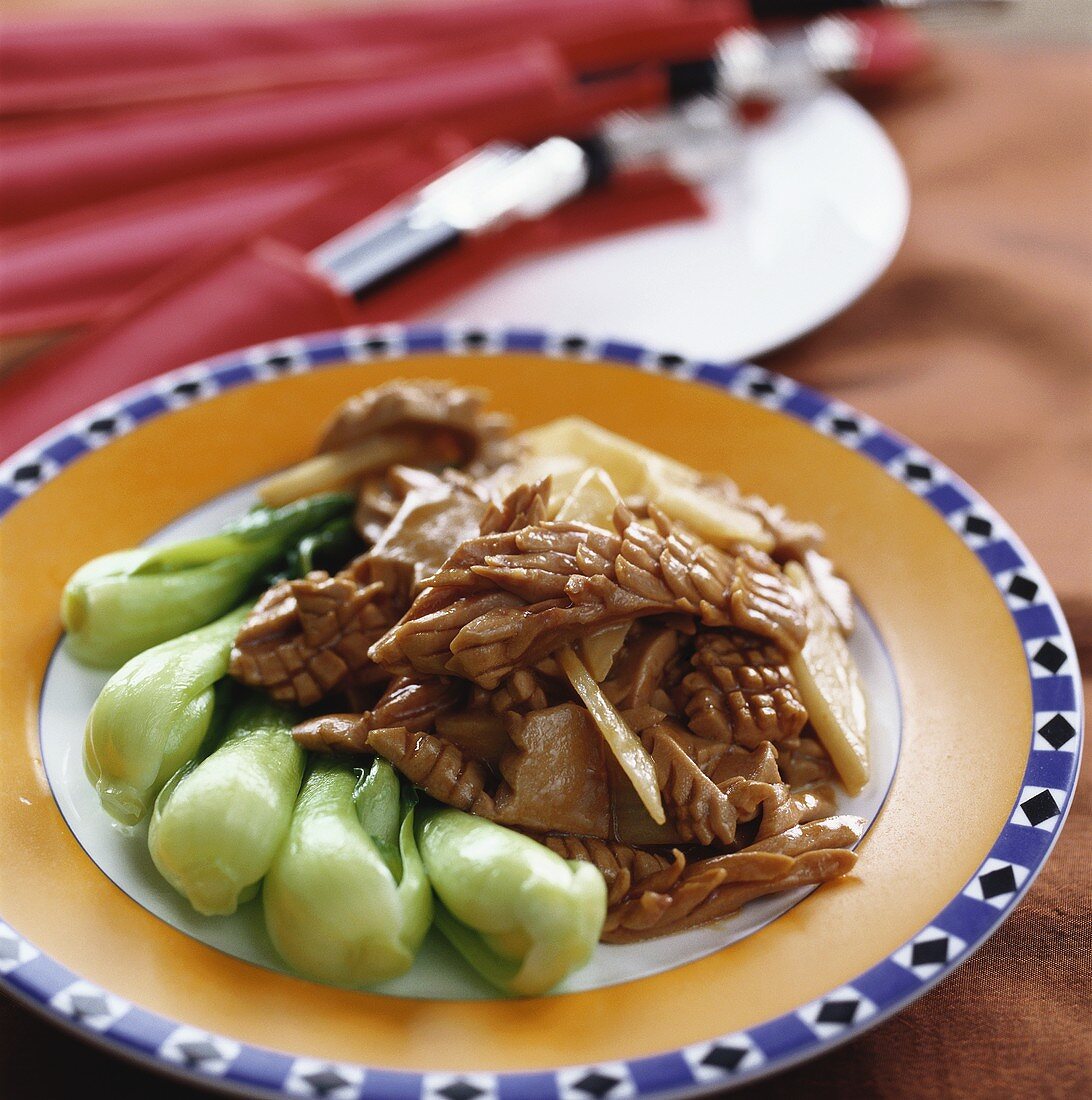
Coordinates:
<point>1054,749</point>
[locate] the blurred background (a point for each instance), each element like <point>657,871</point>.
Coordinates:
<point>913,237</point>
<point>1069,20</point>
<point>1032,20</point>
<point>1058,20</point>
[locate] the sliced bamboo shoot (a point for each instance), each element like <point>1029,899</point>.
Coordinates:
<point>626,462</point>
<point>640,471</point>
<point>592,499</point>
<point>830,686</point>
<point>630,821</point>
<point>563,470</point>
<point>714,520</point>
<point>598,650</point>
<point>626,746</point>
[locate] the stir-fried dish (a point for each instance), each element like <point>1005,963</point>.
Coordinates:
<point>554,654</point>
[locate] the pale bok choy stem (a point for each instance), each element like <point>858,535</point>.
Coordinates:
<point>153,715</point>
<point>218,823</point>
<point>117,605</point>
<point>519,914</point>
<point>346,900</point>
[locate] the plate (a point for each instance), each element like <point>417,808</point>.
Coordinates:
<point>970,667</point>
<point>801,223</point>
<point>69,691</point>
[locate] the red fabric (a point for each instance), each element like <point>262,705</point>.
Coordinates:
<point>591,40</point>
<point>98,206</point>
<point>66,275</point>
<point>76,90</point>
<point>264,290</point>
<point>893,45</point>
<point>62,271</point>
<point>108,45</point>
<point>63,168</point>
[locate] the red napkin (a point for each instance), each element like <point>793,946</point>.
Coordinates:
<point>116,45</point>
<point>62,168</point>
<point>62,271</point>
<point>46,69</point>
<point>182,219</point>
<point>65,271</point>
<point>265,290</point>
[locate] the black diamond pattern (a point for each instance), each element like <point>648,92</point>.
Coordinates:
<point>837,1012</point>
<point>1058,731</point>
<point>1050,657</point>
<point>325,1081</point>
<point>103,426</point>
<point>997,883</point>
<point>279,362</point>
<point>725,1058</point>
<point>927,952</point>
<point>762,388</point>
<point>1040,808</point>
<point>1022,587</point>
<point>377,346</point>
<point>474,339</point>
<point>597,1084</point>
<point>186,389</point>
<point>917,472</point>
<point>670,361</point>
<point>845,425</point>
<point>200,1050</point>
<point>30,472</point>
<point>976,525</point>
<point>460,1090</point>
<point>574,343</point>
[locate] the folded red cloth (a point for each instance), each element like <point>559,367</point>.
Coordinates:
<point>64,167</point>
<point>266,289</point>
<point>114,45</point>
<point>62,271</point>
<point>77,88</point>
<point>45,71</point>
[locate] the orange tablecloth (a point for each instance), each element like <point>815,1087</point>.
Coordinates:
<point>976,345</point>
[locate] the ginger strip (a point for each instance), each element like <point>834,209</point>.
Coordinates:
<point>830,686</point>
<point>335,470</point>
<point>626,746</point>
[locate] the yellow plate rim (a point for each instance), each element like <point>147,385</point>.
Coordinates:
<point>1034,640</point>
